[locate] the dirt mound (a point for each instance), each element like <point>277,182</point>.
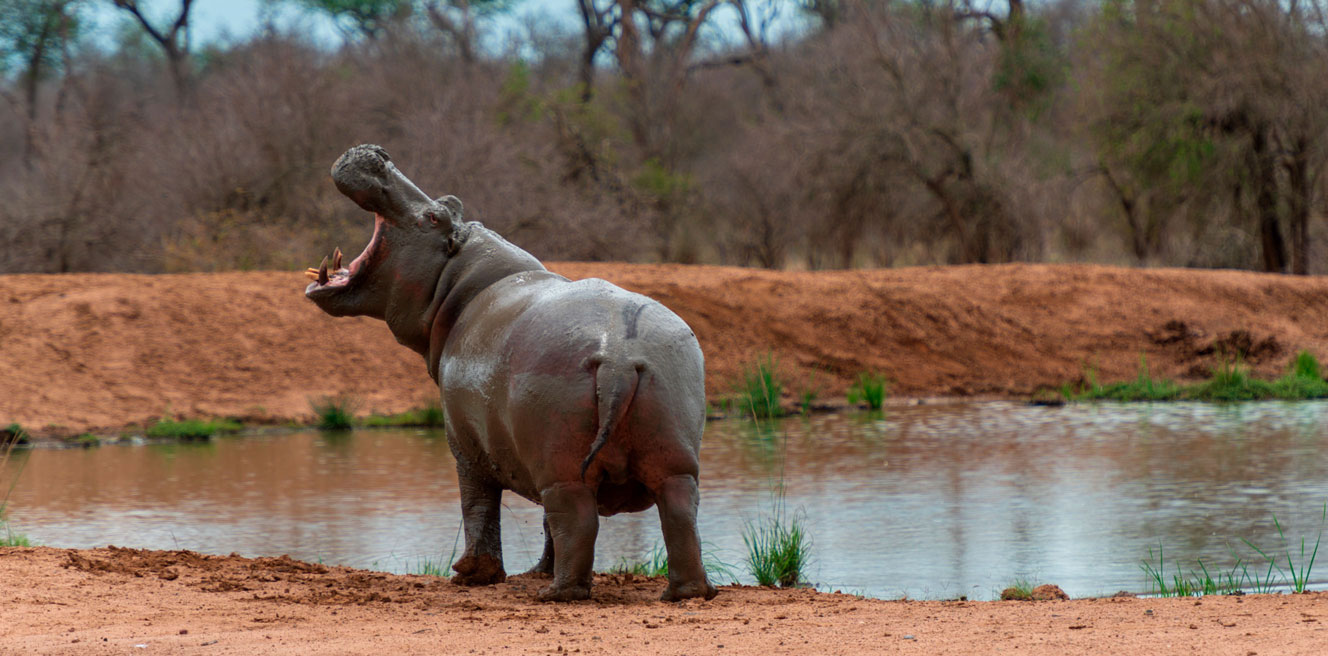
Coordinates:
<point>57,601</point>
<point>101,351</point>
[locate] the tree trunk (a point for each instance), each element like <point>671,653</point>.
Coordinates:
<point>1265,203</point>
<point>1298,201</point>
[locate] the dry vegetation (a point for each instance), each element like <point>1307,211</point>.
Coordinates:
<point>1176,132</point>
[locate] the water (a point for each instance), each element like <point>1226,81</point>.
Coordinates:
<point>924,502</point>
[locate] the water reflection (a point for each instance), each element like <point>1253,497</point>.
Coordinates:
<point>928,501</point>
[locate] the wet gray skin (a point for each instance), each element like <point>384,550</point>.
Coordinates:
<point>580,396</point>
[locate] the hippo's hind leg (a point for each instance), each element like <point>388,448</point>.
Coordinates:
<point>677,498</point>
<point>572,517</point>
<point>482,562</point>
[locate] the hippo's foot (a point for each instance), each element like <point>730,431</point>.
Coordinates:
<point>689,590</point>
<point>479,570</point>
<point>556,592</point>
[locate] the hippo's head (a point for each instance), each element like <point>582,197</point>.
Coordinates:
<point>396,276</point>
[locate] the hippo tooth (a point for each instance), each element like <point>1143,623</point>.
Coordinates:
<point>336,259</point>
<point>322,272</point>
<point>311,274</point>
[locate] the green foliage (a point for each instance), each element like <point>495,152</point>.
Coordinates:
<point>370,17</point>
<point>431,567</point>
<point>1239,578</point>
<point>34,32</point>
<point>14,434</point>
<point>777,549</point>
<point>1143,388</point>
<point>655,563</point>
<point>517,102</point>
<point>1020,590</point>
<point>808,394</point>
<point>1306,366</point>
<point>760,389</point>
<point>1298,570</point>
<point>430,416</point>
<point>7,537</point>
<point>192,429</point>
<point>86,440</point>
<point>335,412</point>
<point>869,388</point>
<point>657,181</point>
<point>1030,66</point>
<point>1230,382</point>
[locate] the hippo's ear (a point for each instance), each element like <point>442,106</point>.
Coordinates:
<point>453,205</point>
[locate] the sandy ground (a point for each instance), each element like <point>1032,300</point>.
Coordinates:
<point>122,601</point>
<point>103,352</point>
<point>100,352</point>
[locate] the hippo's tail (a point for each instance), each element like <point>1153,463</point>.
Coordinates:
<point>615,385</point>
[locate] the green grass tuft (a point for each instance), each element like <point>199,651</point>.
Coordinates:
<point>1238,579</point>
<point>8,538</point>
<point>869,388</point>
<point>777,550</point>
<point>13,434</point>
<point>1020,590</point>
<point>655,563</point>
<point>1306,366</point>
<point>760,389</point>
<point>335,412</point>
<point>431,567</point>
<point>192,429</point>
<point>86,440</point>
<point>1230,382</point>
<point>430,416</point>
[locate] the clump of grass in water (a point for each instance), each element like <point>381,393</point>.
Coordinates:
<point>869,388</point>
<point>1143,388</point>
<point>1238,578</point>
<point>430,416</point>
<point>10,438</point>
<point>760,389</point>
<point>807,396</point>
<point>1230,382</point>
<point>192,429</point>
<point>777,549</point>
<point>335,412</point>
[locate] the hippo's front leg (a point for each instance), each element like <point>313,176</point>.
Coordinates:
<point>482,562</point>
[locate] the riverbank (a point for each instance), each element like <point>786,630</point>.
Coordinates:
<point>60,601</point>
<point>103,353</point>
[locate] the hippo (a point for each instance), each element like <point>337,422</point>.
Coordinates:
<point>580,396</point>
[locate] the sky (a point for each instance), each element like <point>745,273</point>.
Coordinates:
<point>213,21</point>
<point>223,21</point>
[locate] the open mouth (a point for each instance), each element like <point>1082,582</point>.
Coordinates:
<point>327,278</point>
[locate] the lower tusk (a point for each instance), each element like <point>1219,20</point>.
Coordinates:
<point>336,259</point>
<point>322,272</point>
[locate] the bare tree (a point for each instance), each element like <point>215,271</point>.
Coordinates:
<point>173,40</point>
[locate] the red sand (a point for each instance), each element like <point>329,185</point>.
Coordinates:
<point>101,352</point>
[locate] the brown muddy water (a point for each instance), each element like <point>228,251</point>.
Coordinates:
<point>924,501</point>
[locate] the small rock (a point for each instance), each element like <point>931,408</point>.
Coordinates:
<point>1048,592</point>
